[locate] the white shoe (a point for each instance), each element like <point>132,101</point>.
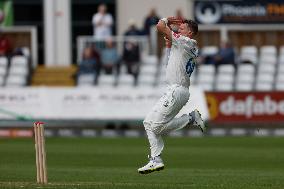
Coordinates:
<point>155,164</point>
<point>197,120</point>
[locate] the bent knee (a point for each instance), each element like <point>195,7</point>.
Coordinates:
<point>147,125</point>
<point>154,127</point>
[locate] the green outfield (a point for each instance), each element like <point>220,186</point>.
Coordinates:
<point>212,163</point>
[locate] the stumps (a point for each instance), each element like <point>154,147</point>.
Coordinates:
<point>41,169</point>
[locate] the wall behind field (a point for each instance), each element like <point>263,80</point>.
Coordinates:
<point>138,10</point>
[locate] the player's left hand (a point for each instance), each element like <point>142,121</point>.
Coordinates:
<point>168,42</point>
<point>174,20</point>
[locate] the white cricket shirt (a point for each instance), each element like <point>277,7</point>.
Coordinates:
<point>103,30</point>
<point>182,60</point>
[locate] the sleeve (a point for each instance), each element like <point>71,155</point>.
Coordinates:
<point>186,43</point>
<point>168,52</point>
<point>191,47</point>
<point>96,19</point>
<point>109,20</point>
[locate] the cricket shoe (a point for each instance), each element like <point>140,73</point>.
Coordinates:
<point>197,120</point>
<point>155,164</point>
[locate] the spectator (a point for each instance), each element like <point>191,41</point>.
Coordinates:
<point>179,14</point>
<point>18,52</point>
<point>102,22</point>
<point>110,57</point>
<point>226,54</point>
<point>208,56</point>
<point>151,20</point>
<point>208,59</point>
<point>131,57</point>
<point>90,63</point>
<point>132,29</point>
<point>5,46</point>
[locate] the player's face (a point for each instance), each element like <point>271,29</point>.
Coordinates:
<point>184,30</point>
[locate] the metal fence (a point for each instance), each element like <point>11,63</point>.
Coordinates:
<point>119,41</point>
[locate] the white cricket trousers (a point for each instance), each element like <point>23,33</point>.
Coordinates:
<point>161,119</point>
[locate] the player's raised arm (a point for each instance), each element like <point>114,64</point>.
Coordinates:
<point>163,28</point>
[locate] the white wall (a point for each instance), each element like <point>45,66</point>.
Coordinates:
<point>63,30</point>
<point>139,9</point>
<point>57,32</point>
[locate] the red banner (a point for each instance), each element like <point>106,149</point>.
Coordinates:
<point>246,106</point>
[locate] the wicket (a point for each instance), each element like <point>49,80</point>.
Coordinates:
<point>40,153</point>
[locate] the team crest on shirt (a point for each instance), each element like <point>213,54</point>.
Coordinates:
<point>166,103</point>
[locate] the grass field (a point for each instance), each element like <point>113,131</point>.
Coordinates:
<point>210,163</point>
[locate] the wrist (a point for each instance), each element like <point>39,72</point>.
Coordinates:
<point>165,20</point>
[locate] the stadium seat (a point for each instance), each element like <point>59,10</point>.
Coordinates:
<point>148,69</point>
<point>126,80</point>
<point>26,51</point>
<point>281,59</point>
<point>246,68</point>
<point>86,80</point>
<point>243,77</point>
<point>224,86</point>
<point>2,80</point>
<point>224,78</point>
<point>15,81</point>
<point>19,61</point>
<point>268,59</point>
<point>150,59</point>
<point>248,58</point>
<point>281,50</point>
<point>18,70</point>
<point>123,69</point>
<point>226,69</point>
<point>266,68</point>
<point>263,86</point>
<point>3,71</point>
<point>162,80</point>
<point>280,68</point>
<point>280,77</point>
<point>241,86</point>
<point>268,50</point>
<point>265,78</point>
<point>146,80</point>
<point>249,50</point>
<point>206,77</point>
<point>224,82</point>
<point>207,69</point>
<point>4,62</point>
<point>209,50</point>
<point>249,53</point>
<point>206,86</point>
<point>279,86</point>
<point>106,80</point>
<point>264,81</point>
<point>162,69</point>
<point>206,81</point>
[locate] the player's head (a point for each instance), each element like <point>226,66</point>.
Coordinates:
<point>102,8</point>
<point>188,28</point>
